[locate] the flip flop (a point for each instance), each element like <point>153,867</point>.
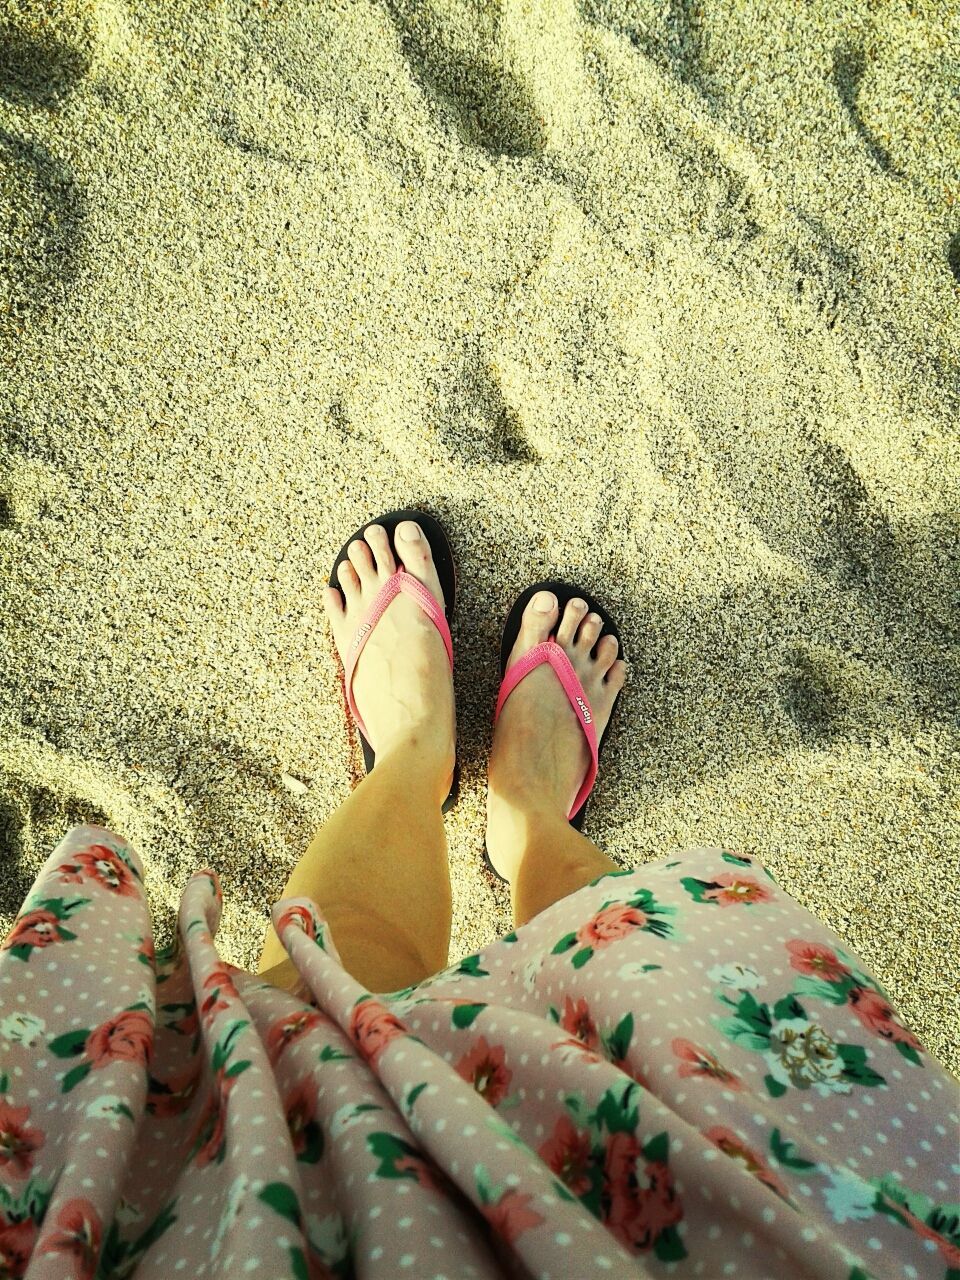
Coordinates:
<point>435,534</point>
<point>550,651</point>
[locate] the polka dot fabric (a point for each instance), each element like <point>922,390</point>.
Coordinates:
<point>676,1070</point>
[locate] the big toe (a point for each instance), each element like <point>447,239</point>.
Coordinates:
<point>539,619</point>
<point>413,550</point>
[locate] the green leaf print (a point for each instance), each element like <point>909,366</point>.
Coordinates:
<point>905,1050</point>
<point>858,1273</point>
<point>329,1054</point>
<point>470,965</point>
<point>610,875</point>
<point>4,1082</point>
<point>788,1007</point>
<point>413,1095</point>
<point>30,1201</point>
<point>774,1087</point>
<point>298,1264</point>
<point>855,1066</point>
<point>668,1247</point>
<point>283,1200</point>
<point>696,888</point>
<point>657,1149</point>
<point>617,1110</point>
<point>735,859</point>
<point>510,937</point>
<point>227,1043</point>
<point>69,1044</point>
<point>464,1015</point>
<point>785,1152</point>
<point>73,1078</point>
<point>617,1044</point>
<point>563,1191</point>
<point>566,942</point>
<point>388,1150</point>
<point>581,958</point>
<point>831,992</point>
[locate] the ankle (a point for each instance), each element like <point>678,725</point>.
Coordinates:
<point>423,759</point>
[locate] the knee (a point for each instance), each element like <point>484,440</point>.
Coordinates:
<point>388,957</point>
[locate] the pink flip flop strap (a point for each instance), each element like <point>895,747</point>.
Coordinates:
<point>411,586</point>
<point>550,651</point>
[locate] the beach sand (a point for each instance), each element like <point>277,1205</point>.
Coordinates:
<point>656,298</point>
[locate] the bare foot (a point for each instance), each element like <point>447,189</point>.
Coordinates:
<point>540,755</point>
<point>402,682</point>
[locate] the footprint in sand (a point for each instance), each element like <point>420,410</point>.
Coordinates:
<point>32,821</point>
<point>511,71</point>
<point>849,65</point>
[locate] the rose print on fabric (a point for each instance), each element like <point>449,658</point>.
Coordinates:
<point>731,889</point>
<point>506,1209</point>
<point>103,867</point>
<point>300,1109</point>
<point>398,1159</point>
<point>828,975</point>
<point>936,1224</point>
<point>627,1185</point>
<point>19,1141</point>
<point>799,1052</point>
<point>484,1066</point>
<point>173,1096</point>
<point>732,1145</point>
<point>288,1029</point>
<point>207,1143</point>
<point>616,920</point>
<point>219,991</point>
<point>610,1044</point>
<point>42,926</point>
<point>568,1152</point>
<point>21,1212</point>
<point>701,1064</point>
<point>126,1037</point>
<point>300,918</point>
<point>78,1235</point>
<point>372,1027</point>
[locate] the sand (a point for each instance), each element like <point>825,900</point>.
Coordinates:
<point>657,298</point>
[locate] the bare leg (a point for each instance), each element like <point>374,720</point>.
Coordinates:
<point>378,868</point>
<point>539,759</point>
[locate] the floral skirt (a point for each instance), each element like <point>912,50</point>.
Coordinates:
<point>676,1070</point>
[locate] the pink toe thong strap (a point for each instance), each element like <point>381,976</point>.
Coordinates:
<point>550,651</point>
<point>411,586</point>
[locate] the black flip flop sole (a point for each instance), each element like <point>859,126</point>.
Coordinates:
<point>564,591</point>
<point>446,571</point>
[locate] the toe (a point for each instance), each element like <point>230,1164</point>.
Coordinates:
<point>413,550</point>
<point>379,543</point>
<point>333,604</point>
<point>607,651</point>
<point>589,631</point>
<point>539,619</point>
<point>572,615</point>
<point>361,557</point>
<point>349,582</point>
<point>616,676</point>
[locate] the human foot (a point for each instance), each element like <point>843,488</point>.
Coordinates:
<point>540,755</point>
<point>401,683</point>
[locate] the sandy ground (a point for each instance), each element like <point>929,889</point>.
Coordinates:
<point>658,299</point>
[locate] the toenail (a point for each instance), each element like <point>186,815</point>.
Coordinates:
<point>594,618</point>
<point>376,528</point>
<point>544,602</point>
<point>409,532</point>
<point>579,604</point>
